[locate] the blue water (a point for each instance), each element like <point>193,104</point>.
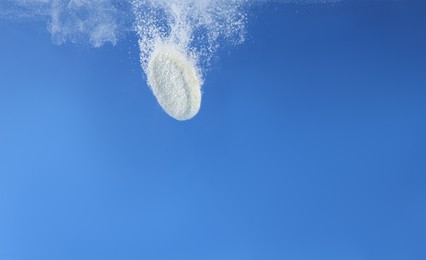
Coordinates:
<point>310,144</point>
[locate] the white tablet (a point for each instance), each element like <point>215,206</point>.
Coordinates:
<point>174,81</point>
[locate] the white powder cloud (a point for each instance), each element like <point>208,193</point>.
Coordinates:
<point>94,21</point>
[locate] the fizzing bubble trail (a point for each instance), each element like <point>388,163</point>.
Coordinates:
<point>177,40</point>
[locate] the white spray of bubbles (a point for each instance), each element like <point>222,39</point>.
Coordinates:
<point>177,38</point>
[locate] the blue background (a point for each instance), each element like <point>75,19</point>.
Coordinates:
<point>310,144</point>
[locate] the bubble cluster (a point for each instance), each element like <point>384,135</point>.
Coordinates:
<point>177,40</point>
